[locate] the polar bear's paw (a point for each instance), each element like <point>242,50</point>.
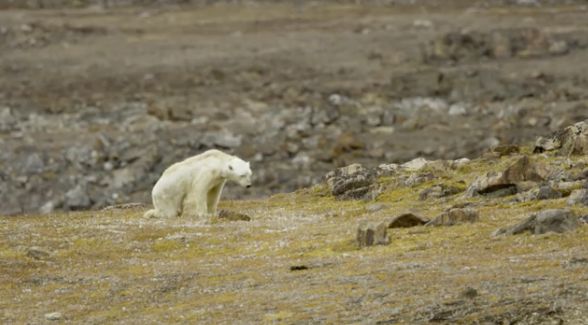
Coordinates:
<point>151,214</point>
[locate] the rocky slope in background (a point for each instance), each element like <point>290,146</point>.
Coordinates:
<point>499,239</point>
<point>95,104</point>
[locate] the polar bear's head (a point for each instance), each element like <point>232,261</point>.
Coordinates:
<point>238,171</point>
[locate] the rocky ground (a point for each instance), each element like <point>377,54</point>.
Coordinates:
<point>96,102</point>
<point>500,239</point>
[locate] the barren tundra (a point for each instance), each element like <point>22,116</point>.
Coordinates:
<point>399,174</point>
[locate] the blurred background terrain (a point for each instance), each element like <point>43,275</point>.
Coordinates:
<point>97,98</point>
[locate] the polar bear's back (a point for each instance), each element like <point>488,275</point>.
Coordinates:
<point>209,154</point>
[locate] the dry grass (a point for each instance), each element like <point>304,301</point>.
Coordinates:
<point>116,267</point>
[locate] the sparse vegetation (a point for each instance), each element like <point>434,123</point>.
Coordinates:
<point>115,266</point>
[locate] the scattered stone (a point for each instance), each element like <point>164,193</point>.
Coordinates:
<point>298,267</point>
<point>455,216</point>
<point>417,179</point>
<point>496,44</point>
<point>506,150</point>
<point>233,216</point>
<point>458,163</point>
<point>77,198</point>
<point>7,120</point>
<point>370,233</point>
<point>469,293</point>
<point>568,187</point>
<point>415,164</point>
<point>553,220</point>
<point>572,140</point>
<point>53,316</point>
<point>584,219</point>
<point>544,192</point>
<point>37,253</point>
<point>387,169</point>
<point>438,191</point>
<point>375,207</point>
<point>578,197</point>
<point>578,260</point>
<point>406,220</point>
<point>48,207</point>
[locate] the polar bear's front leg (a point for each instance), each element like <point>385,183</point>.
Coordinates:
<point>213,197</point>
<point>195,202</point>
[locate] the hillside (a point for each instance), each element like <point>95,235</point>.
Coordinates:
<point>297,259</point>
<point>96,102</point>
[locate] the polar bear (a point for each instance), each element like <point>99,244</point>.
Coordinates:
<point>192,188</point>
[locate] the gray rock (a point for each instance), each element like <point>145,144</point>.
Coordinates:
<point>7,120</point>
<point>77,198</point>
<point>371,233</point>
<point>34,164</point>
<point>438,191</point>
<point>495,44</point>
<point>455,216</point>
<point>222,139</point>
<point>553,220</point>
<point>375,207</point>
<point>544,192</point>
<point>38,253</point>
<point>48,207</point>
<point>351,182</point>
<point>415,164</point>
<point>406,220</point>
<point>53,316</point>
<point>578,197</point>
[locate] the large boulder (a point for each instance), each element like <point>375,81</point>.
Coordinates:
<point>501,183</point>
<point>569,141</point>
<point>372,233</point>
<point>553,220</point>
<point>405,220</point>
<point>351,182</point>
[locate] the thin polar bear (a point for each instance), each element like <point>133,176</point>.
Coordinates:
<point>192,188</point>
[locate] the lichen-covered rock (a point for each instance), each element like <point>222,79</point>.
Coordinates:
<point>505,182</point>
<point>578,197</point>
<point>351,182</point>
<point>406,220</point>
<point>569,141</point>
<point>544,192</point>
<point>552,220</point>
<point>455,216</point>
<point>372,233</point>
<point>438,191</point>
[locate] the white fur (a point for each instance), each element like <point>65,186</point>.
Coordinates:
<point>192,188</point>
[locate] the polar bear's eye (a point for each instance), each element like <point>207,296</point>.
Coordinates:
<point>230,167</point>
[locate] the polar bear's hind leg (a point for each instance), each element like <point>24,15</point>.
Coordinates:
<point>164,208</point>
